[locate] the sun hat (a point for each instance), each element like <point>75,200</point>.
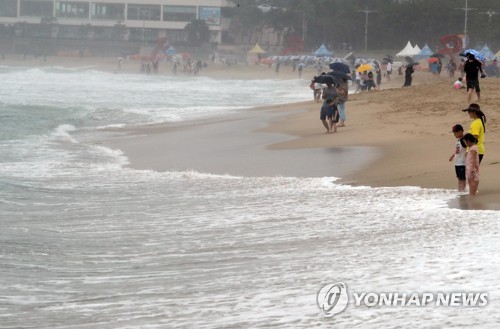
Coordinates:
<point>472,108</point>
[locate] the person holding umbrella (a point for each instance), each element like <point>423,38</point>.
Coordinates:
<point>472,67</point>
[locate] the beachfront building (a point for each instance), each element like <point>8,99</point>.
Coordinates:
<point>127,20</point>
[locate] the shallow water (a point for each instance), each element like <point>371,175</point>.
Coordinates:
<point>87,242</point>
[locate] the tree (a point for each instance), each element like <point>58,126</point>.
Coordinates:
<point>49,27</point>
<point>85,31</point>
<point>119,31</point>
<point>197,32</point>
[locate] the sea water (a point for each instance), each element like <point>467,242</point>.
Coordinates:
<point>87,242</point>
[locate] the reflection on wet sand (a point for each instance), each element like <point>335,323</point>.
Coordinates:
<point>467,202</point>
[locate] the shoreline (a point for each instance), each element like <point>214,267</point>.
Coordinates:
<point>412,129</point>
<point>407,130</point>
<point>206,147</point>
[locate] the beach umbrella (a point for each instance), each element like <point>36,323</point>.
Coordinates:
<point>474,52</point>
<point>339,75</point>
<point>364,67</point>
<point>340,67</point>
<point>437,55</point>
<point>432,60</point>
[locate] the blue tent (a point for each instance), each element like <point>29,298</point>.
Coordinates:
<point>426,52</point>
<point>171,51</point>
<point>487,52</point>
<point>322,51</point>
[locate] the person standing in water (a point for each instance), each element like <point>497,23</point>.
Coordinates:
<point>459,156</point>
<point>472,164</point>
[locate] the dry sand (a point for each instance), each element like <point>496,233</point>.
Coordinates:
<point>394,137</point>
<point>412,127</point>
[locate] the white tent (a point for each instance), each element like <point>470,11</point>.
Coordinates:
<point>416,50</point>
<point>408,50</point>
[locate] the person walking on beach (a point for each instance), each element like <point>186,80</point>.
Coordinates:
<point>472,67</point>
<point>357,80</point>
<point>452,67</point>
<point>330,92</point>
<point>439,66</point>
<point>379,78</point>
<point>408,78</point>
<point>343,96</point>
<point>318,89</point>
<point>329,115</point>
<point>472,164</point>
<point>388,71</point>
<point>477,127</point>
<point>459,156</point>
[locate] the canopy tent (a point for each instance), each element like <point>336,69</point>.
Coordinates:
<point>487,52</point>
<point>171,51</point>
<point>254,54</point>
<point>322,51</point>
<point>497,54</point>
<point>425,52</point>
<point>256,50</point>
<point>416,50</point>
<point>408,50</point>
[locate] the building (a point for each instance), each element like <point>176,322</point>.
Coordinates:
<point>133,20</point>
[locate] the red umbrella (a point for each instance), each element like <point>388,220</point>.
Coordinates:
<point>432,60</point>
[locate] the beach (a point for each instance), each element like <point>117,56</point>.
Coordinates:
<point>218,200</point>
<point>407,130</point>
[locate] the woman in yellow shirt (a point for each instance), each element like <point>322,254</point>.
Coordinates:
<point>478,126</point>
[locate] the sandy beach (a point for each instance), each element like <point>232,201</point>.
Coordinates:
<point>127,197</point>
<point>393,137</point>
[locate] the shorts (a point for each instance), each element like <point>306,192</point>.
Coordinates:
<point>460,171</point>
<point>473,84</point>
<point>326,112</point>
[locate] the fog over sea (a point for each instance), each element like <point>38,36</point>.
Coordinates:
<point>88,242</point>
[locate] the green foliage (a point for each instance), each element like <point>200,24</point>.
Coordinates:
<point>393,23</point>
<point>119,30</point>
<point>197,32</point>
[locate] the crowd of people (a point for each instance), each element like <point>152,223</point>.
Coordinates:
<point>469,147</point>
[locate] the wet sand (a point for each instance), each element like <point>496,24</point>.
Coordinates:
<point>237,145</point>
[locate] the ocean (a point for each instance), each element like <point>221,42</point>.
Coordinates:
<point>88,242</point>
